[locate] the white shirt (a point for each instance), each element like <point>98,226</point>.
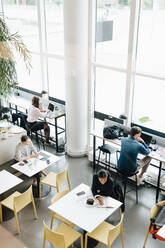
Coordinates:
<point>34,113</point>
<point>24,150</point>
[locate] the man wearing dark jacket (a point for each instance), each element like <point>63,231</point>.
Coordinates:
<point>102,185</point>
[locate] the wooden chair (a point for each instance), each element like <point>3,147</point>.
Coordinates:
<point>55,215</point>
<point>17,202</point>
<point>63,236</point>
<point>106,233</point>
<point>55,180</point>
<point>153,213</point>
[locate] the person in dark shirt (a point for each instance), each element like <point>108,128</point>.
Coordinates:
<point>102,185</point>
<point>130,148</point>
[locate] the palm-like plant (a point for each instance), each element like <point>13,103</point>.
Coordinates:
<point>9,43</point>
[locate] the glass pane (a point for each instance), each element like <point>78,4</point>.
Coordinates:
<point>33,80</point>
<point>148,103</point>
<point>110,91</point>
<point>151,40</point>
<point>112,30</point>
<point>22,18</point>
<point>56,78</point>
<point>55,26</point>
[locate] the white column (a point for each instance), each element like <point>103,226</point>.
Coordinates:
<point>76,75</point>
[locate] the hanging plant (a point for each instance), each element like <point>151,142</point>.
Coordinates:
<point>10,43</point>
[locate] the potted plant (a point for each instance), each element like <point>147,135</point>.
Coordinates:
<point>10,44</point>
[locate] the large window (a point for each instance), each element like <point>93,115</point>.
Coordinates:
<point>54,26</point>
<point>110,88</point>
<point>129,64</point>
<point>149,91</point>
<point>112,32</point>
<point>151,38</point>
<point>148,103</point>
<point>56,78</point>
<point>21,16</point>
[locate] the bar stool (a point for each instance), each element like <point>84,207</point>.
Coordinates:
<point>107,150</point>
<point>125,175</point>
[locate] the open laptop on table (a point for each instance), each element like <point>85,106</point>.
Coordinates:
<point>147,138</point>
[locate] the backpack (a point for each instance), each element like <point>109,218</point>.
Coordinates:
<point>112,132</point>
<point>157,223</point>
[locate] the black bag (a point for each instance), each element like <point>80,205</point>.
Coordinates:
<point>112,132</point>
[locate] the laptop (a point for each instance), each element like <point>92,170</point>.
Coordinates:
<point>51,107</point>
<point>147,138</point>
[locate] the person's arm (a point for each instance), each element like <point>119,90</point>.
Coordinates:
<point>94,185</point>
<point>144,149</point>
<point>33,150</point>
<point>94,189</point>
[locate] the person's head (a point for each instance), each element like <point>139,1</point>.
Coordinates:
<point>25,140</point>
<point>36,101</point>
<point>102,176</point>
<point>135,132</point>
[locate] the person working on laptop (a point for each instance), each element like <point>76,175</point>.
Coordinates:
<point>130,148</point>
<point>102,185</point>
<point>34,113</point>
<point>26,150</point>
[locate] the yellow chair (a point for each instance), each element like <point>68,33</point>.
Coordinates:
<point>153,213</point>
<point>62,237</point>
<point>55,180</point>
<point>106,233</point>
<point>55,215</point>
<point>17,202</point>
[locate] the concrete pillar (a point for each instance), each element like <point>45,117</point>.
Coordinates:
<point>76,75</point>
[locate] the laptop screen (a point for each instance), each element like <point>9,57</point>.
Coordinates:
<point>51,107</point>
<point>147,138</point>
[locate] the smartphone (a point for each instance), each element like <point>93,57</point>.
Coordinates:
<point>80,193</point>
<point>25,161</point>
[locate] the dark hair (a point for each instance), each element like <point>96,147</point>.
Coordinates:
<point>135,130</point>
<point>102,173</point>
<point>24,138</point>
<point>35,101</point>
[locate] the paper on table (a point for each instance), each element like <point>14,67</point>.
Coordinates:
<point>161,232</point>
<point>108,203</point>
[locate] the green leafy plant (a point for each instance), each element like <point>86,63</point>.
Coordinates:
<point>144,119</point>
<point>9,44</point>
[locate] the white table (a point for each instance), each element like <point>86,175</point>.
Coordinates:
<point>8,145</point>
<point>75,209</point>
<point>35,165</point>
<point>8,181</point>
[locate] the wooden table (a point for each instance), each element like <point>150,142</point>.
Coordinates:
<point>117,143</point>
<point>75,209</point>
<point>23,104</point>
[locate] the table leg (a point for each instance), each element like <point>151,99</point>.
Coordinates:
<point>56,134</point>
<point>94,153</point>
<point>158,183</point>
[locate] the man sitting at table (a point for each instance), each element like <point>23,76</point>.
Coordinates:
<point>130,148</point>
<point>26,150</point>
<point>102,185</point>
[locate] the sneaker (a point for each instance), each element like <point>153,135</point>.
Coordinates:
<point>140,181</point>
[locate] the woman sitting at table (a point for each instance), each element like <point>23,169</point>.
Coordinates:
<point>102,185</point>
<point>34,113</point>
